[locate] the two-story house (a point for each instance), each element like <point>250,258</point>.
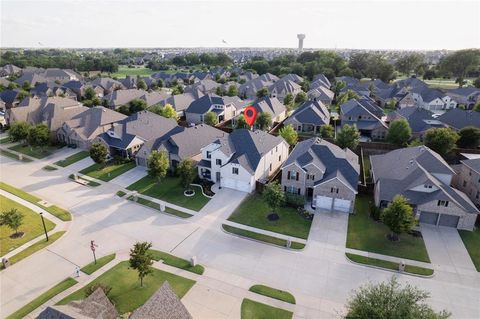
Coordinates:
<point>242,158</point>
<point>273,106</point>
<point>225,108</point>
<point>324,173</point>
<point>283,87</point>
<point>366,116</point>
<point>468,179</point>
<point>309,117</point>
<point>424,179</point>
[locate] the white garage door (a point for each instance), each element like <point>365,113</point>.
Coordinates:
<point>341,205</point>
<point>323,202</point>
<point>236,184</point>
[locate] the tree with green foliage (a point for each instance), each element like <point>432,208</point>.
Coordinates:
<point>327,131</point>
<point>288,100</point>
<point>346,96</point>
<point>137,105</point>
<point>441,140</point>
<point>476,108</point>
<point>338,86</point>
<point>210,118</point>
<point>186,171</point>
<point>158,164</point>
<point>274,195</point>
<point>409,62</point>
<point>460,63</point>
<point>12,218</point>
<point>26,86</point>
<point>476,82</point>
<point>141,259</point>
<point>18,131</point>
<point>99,153</point>
<point>301,97</point>
<point>141,85</point>
<point>399,132</point>
<point>389,300</point>
<point>263,121</point>
<point>219,91</point>
<point>241,122</point>
<point>469,137</point>
<point>398,217</point>
<point>177,89</point>
<point>168,111</point>
<point>349,136</point>
<point>262,92</point>
<point>289,134</point>
<point>89,93</point>
<point>232,90</point>
<point>38,135</point>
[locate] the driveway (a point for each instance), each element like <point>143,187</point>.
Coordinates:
<point>447,251</point>
<point>130,177</point>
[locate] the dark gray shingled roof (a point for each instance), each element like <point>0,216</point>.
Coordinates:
<point>419,119</point>
<point>311,112</point>
<point>328,157</point>
<point>398,171</point>
<point>473,164</point>
<point>269,105</point>
<point>205,103</point>
<point>458,118</point>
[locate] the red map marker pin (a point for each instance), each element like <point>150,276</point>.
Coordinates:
<point>250,114</point>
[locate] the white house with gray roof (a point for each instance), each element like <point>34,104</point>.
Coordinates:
<point>324,173</point>
<point>309,117</point>
<point>468,179</point>
<point>424,179</point>
<point>242,158</point>
<point>282,87</point>
<point>366,116</point>
<point>224,107</point>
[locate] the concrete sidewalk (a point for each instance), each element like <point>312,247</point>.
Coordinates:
<point>265,232</point>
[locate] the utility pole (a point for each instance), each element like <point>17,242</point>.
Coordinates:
<point>44,228</point>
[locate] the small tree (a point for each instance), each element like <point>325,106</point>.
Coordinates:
<point>288,100</point>
<point>89,93</point>
<point>141,85</point>
<point>26,86</point>
<point>346,96</point>
<point>476,82</point>
<point>158,164</point>
<point>274,195</point>
<point>137,105</point>
<point>169,112</point>
<point>441,140</point>
<point>262,92</point>
<point>349,136</point>
<point>232,90</point>
<point>289,134</point>
<point>469,137</point>
<point>38,135</point>
<point>241,122</point>
<point>12,218</point>
<point>301,97</point>
<point>399,132</point>
<point>141,259</point>
<point>98,153</point>
<point>398,216</point>
<point>327,131</point>
<point>264,121</point>
<point>210,118</point>
<point>186,171</point>
<point>18,131</point>
<point>387,300</point>
<point>476,108</point>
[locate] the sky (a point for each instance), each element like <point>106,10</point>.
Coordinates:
<point>386,24</point>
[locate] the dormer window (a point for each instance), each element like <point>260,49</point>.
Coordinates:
<point>334,190</point>
<point>443,203</point>
<point>427,186</point>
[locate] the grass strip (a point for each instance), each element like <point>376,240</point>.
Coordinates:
<point>389,265</point>
<point>261,237</point>
<point>54,210</point>
<point>256,310</point>
<point>177,262</point>
<point>273,293</point>
<point>121,193</point>
<point>92,267</point>
<point>156,206</point>
<point>89,182</point>
<point>14,156</point>
<point>43,298</point>
<point>49,168</point>
<point>72,159</point>
<point>471,240</point>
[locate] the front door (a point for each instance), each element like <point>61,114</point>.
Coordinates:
<point>217,177</point>
<point>309,193</point>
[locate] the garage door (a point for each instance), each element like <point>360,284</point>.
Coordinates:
<point>341,205</point>
<point>448,220</point>
<point>323,202</point>
<point>428,218</point>
<point>236,184</point>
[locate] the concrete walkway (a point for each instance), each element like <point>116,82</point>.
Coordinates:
<point>265,232</point>
<point>130,177</point>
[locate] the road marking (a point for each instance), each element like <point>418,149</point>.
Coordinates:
<point>184,239</point>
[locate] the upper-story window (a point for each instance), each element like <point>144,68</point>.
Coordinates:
<point>292,175</point>
<point>427,186</point>
<point>218,161</point>
<point>276,149</point>
<point>235,170</point>
<point>442,203</point>
<point>334,190</point>
<point>209,154</point>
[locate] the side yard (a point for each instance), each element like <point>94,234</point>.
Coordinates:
<point>471,239</point>
<point>107,172</point>
<point>37,152</point>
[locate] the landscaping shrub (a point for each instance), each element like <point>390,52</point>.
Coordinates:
<point>375,211</point>
<point>294,200</point>
<point>304,213</point>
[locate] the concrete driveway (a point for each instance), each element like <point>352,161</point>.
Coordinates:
<point>130,177</point>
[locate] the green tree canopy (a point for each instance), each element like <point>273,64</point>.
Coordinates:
<point>232,90</point>
<point>399,132</point>
<point>262,92</point>
<point>137,105</point>
<point>38,135</point>
<point>460,63</point>
<point>158,164</point>
<point>441,140</point>
<point>349,136</point>
<point>398,216</point>
<point>346,96</point>
<point>241,122</point>
<point>141,259</point>
<point>210,118</point>
<point>141,85</point>
<point>18,131</point>
<point>11,218</point>
<point>409,62</point>
<point>289,134</point>
<point>89,93</point>
<point>469,137</point>
<point>274,195</point>
<point>301,97</point>
<point>327,131</point>
<point>264,121</point>
<point>167,111</point>
<point>186,171</point>
<point>288,100</point>
<point>98,153</point>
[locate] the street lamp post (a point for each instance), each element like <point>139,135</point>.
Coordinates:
<point>44,227</point>
<point>92,247</point>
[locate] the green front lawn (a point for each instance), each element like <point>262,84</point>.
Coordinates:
<point>36,152</point>
<point>107,172</point>
<point>32,226</point>
<point>72,159</point>
<point>170,190</point>
<point>43,298</point>
<point>175,261</point>
<point>256,310</point>
<point>5,140</point>
<point>13,156</point>
<point>471,240</point>
<point>54,210</point>
<point>126,293</point>
<point>253,212</point>
<point>389,264</point>
<point>368,235</point>
<point>92,267</point>
<point>273,293</point>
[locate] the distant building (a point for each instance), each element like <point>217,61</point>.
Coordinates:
<point>300,37</point>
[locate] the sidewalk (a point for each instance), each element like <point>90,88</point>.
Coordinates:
<point>264,232</point>
<point>389,258</point>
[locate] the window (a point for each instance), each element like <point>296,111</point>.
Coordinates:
<point>235,170</point>
<point>276,149</point>
<point>478,195</point>
<point>209,154</point>
<point>218,161</point>
<point>464,183</point>
<point>270,167</point>
<point>443,203</point>
<point>292,175</point>
<point>291,189</point>
<point>280,158</point>
<point>427,186</point>
<point>334,190</point>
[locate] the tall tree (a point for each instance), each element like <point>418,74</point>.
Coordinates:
<point>389,300</point>
<point>274,195</point>
<point>12,218</point>
<point>301,97</point>
<point>169,112</point>
<point>141,85</point>
<point>137,105</point>
<point>460,63</point>
<point>346,96</point>
<point>98,153</point>
<point>264,121</point>
<point>327,131</point>
<point>211,118</point>
<point>288,100</point>
<point>186,171</point>
<point>441,140</point>
<point>262,92</point>
<point>398,216</point>
<point>469,137</point>
<point>241,122</point>
<point>289,134</point>
<point>141,259</point>
<point>349,136</point>
<point>409,62</point>
<point>158,164</point>
<point>89,93</point>
<point>38,135</point>
<point>399,132</point>
<point>18,131</point>
<point>232,90</point>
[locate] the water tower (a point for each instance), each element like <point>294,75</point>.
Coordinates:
<point>300,41</point>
